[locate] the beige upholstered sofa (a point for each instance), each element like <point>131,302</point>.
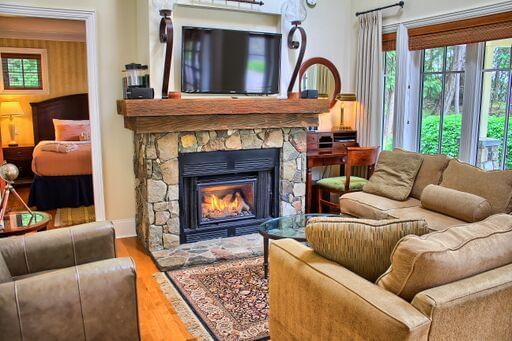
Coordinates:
<point>465,277</point>
<point>495,186</point>
<point>313,298</point>
<point>66,284</point>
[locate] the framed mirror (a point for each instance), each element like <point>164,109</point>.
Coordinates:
<point>322,75</point>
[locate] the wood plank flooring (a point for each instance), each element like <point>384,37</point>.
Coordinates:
<point>158,320</point>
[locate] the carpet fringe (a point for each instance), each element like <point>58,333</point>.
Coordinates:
<point>191,322</point>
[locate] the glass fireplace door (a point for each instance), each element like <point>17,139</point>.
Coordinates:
<point>226,200</point>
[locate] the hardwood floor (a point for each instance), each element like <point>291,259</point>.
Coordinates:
<point>158,320</point>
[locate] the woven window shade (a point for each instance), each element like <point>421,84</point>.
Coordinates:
<point>389,41</point>
<point>468,31</point>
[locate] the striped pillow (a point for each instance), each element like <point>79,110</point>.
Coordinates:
<point>361,245</point>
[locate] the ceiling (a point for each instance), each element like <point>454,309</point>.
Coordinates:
<point>41,28</point>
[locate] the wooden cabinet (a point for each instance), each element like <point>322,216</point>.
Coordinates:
<point>21,156</point>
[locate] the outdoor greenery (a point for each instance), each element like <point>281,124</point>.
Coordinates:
<point>23,73</point>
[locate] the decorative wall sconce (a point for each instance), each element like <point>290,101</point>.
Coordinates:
<point>166,37</point>
<point>295,12</point>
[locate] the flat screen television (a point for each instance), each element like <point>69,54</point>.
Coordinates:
<point>217,61</point>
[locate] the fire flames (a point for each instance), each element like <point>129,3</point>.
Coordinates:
<point>230,205</point>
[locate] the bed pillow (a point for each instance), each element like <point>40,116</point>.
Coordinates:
<point>70,130</point>
<point>394,175</point>
<point>361,245</point>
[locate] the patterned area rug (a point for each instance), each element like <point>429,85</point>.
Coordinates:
<point>68,216</point>
<point>230,299</point>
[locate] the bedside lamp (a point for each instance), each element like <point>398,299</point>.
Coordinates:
<point>347,97</point>
<point>11,109</point>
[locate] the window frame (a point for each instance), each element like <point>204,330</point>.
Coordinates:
<point>42,53</point>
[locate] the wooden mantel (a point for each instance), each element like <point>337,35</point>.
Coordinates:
<point>173,115</point>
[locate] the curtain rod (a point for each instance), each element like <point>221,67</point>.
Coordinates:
<point>401,4</point>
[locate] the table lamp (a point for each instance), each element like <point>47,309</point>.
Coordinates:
<point>347,97</point>
<point>11,109</point>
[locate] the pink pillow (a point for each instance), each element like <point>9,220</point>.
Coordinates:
<point>70,130</point>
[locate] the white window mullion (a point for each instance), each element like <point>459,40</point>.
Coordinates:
<point>472,103</point>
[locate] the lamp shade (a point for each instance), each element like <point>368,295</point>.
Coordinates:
<point>8,109</point>
<point>348,97</point>
<point>294,11</point>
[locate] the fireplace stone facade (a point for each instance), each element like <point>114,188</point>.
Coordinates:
<point>157,174</point>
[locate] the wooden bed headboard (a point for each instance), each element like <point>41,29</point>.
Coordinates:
<point>71,107</point>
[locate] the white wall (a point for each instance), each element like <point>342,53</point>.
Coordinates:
<point>416,9</point>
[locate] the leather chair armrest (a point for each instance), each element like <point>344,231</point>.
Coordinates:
<point>312,298</point>
<point>93,301</point>
<point>59,248</point>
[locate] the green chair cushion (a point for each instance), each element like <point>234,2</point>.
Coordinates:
<point>337,183</point>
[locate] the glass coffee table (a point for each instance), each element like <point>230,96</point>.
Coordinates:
<point>292,226</point>
<point>16,223</point>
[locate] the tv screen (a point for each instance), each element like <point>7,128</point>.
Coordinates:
<point>219,61</point>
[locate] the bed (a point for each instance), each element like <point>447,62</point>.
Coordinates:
<point>61,179</point>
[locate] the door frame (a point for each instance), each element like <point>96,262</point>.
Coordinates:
<point>89,17</point>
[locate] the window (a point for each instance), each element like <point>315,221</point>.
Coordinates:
<point>495,133</point>
<point>23,71</point>
<point>389,99</point>
<point>441,101</point>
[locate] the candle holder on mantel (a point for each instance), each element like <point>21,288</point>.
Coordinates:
<point>295,12</point>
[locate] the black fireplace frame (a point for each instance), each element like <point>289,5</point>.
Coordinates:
<point>218,166</point>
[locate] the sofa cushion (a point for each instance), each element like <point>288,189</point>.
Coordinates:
<point>371,206</point>
<point>430,173</point>
<point>495,186</point>
<point>435,221</point>
<point>360,245</point>
<point>457,204</point>
<point>394,175</point>
<point>5,274</point>
<point>437,258</point>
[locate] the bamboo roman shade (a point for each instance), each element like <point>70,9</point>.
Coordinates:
<point>389,41</point>
<point>468,31</point>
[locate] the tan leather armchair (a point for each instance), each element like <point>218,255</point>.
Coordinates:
<point>312,298</point>
<point>66,284</point>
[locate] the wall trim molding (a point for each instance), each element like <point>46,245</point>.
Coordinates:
<point>125,228</point>
<point>454,16</point>
<point>93,87</point>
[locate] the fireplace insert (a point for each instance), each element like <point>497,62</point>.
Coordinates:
<point>227,193</point>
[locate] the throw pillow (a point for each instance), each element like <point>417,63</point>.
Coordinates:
<point>495,186</point>
<point>394,175</point>
<point>70,130</point>
<point>441,257</point>
<point>457,204</point>
<point>361,245</point>
<point>430,173</point>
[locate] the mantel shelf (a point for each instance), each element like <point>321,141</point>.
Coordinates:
<point>173,115</point>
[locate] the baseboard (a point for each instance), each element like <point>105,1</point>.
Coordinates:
<point>125,228</point>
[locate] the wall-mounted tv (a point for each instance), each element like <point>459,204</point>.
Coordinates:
<point>217,61</point>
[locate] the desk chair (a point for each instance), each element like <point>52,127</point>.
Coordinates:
<point>356,156</point>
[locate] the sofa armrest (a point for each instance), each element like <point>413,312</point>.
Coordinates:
<point>474,308</point>
<point>314,298</point>
<point>94,301</point>
<point>59,248</point>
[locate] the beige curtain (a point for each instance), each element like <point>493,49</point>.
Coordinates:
<point>369,80</point>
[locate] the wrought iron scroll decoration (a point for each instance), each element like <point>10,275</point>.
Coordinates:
<point>252,2</point>
<point>166,37</point>
<point>294,45</point>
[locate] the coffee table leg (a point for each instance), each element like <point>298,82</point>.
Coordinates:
<point>265,256</point>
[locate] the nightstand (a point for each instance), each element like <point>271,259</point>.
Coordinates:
<point>21,156</point>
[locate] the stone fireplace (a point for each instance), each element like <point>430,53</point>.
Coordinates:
<point>218,183</point>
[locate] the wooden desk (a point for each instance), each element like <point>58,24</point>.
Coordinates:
<point>326,149</point>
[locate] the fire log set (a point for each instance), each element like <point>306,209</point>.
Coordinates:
<point>230,205</point>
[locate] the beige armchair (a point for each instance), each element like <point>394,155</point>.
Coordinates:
<point>312,298</point>
<point>66,284</point>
